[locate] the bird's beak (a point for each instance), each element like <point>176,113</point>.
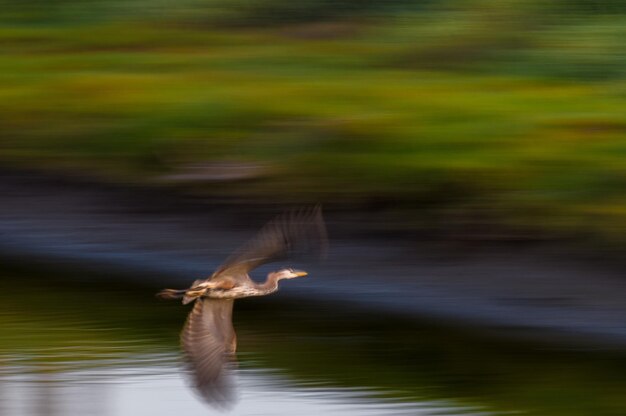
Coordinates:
<point>300,273</point>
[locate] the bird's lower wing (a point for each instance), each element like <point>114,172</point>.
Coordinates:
<point>208,342</point>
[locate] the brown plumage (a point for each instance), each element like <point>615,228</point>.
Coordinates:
<point>209,343</point>
<point>208,337</point>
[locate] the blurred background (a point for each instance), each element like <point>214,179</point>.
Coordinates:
<point>469,155</point>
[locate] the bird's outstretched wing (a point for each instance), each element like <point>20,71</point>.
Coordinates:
<point>208,340</point>
<point>290,234</point>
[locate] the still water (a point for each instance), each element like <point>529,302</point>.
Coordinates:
<point>72,348</point>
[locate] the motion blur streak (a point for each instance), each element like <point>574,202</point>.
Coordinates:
<point>469,156</point>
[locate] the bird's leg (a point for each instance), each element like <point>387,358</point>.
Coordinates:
<point>232,345</point>
<point>197,289</point>
<point>171,293</point>
<point>230,353</point>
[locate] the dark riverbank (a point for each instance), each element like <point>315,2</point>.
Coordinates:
<point>161,239</point>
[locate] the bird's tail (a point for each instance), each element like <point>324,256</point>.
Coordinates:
<point>171,294</point>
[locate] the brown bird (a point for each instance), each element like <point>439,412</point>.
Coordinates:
<point>208,338</point>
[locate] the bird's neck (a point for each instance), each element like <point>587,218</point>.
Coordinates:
<point>270,285</point>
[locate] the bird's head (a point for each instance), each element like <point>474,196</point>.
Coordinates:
<point>288,273</point>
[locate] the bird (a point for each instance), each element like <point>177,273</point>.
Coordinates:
<point>208,339</point>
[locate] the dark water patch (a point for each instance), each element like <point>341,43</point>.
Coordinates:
<point>59,337</point>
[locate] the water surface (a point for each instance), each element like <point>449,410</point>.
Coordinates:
<point>75,348</point>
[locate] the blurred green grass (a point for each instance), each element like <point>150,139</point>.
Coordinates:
<point>463,115</point>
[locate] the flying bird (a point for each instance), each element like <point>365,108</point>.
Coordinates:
<point>208,338</point>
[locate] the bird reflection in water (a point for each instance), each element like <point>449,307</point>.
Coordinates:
<point>208,338</point>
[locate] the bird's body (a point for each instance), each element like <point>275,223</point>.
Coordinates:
<point>228,287</point>
<point>208,337</point>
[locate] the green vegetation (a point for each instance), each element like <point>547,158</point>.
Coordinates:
<point>462,115</point>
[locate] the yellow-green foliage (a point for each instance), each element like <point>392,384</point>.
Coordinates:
<point>496,113</point>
